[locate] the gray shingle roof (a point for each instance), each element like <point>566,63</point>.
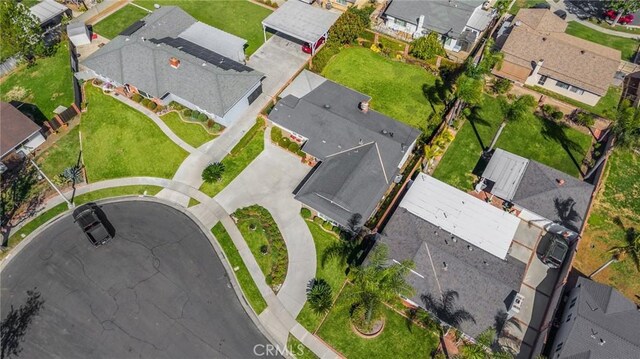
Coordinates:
<point>138,61</point>
<point>485,283</point>
<point>442,16</point>
<point>603,313</point>
<point>301,21</point>
<point>15,127</point>
<point>540,192</point>
<point>359,160</point>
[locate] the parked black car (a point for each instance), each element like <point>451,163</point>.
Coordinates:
<point>92,222</point>
<point>554,254</point>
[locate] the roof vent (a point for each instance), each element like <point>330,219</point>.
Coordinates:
<point>384,132</point>
<point>517,23</point>
<point>470,248</point>
<point>582,52</point>
<point>327,106</point>
<point>360,142</point>
<point>364,106</point>
<point>544,39</point>
<point>444,265</point>
<point>174,62</point>
<point>560,181</point>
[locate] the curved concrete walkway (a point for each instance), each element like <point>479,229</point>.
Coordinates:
<point>269,181</point>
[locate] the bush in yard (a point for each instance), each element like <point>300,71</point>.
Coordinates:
<point>264,249</point>
<point>216,127</point>
<point>293,147</point>
<point>584,118</point>
<point>318,220</point>
<point>364,13</point>
<point>276,134</point>
<point>327,225</point>
<point>284,142</point>
<point>136,97</point>
<point>145,102</point>
<point>151,105</point>
<point>366,44</point>
<point>427,47</point>
<point>301,153</point>
<point>305,213</point>
<point>319,296</point>
<point>210,123</point>
<point>324,55</point>
<point>557,115</point>
<point>187,112</point>
<point>347,28</point>
<point>202,117</point>
<point>195,114</point>
<point>213,172</point>
<point>502,86</point>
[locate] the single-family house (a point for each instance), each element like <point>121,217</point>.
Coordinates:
<point>170,56</point>
<point>459,22</point>
<point>597,323</point>
<point>18,133</point>
<point>543,195</point>
<point>480,256</point>
<point>359,151</point>
<point>538,52</point>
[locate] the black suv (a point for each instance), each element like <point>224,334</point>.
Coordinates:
<point>555,252</point>
<point>92,224</point>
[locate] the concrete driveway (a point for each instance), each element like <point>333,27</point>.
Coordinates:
<point>269,181</point>
<point>157,290</point>
<point>279,59</point>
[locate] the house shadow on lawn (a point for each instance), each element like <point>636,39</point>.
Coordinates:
<point>30,110</point>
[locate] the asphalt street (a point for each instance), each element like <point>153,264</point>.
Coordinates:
<point>157,290</point>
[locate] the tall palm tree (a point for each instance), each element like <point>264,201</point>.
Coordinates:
<point>630,250</point>
<point>375,283</point>
<point>513,111</point>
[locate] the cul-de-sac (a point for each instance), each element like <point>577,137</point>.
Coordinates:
<point>305,179</point>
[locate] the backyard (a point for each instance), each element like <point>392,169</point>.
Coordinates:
<point>627,46</point>
<point>397,89</point>
<point>523,4</point>
<point>45,85</point>
<point>241,17</point>
<point>615,214</point>
<point>192,133</point>
<point>551,143</point>
<point>115,23</point>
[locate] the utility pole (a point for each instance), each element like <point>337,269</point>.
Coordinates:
<point>69,204</point>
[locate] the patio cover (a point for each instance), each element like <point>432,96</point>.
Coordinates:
<point>461,214</point>
<point>505,170</point>
<point>47,10</point>
<point>301,21</point>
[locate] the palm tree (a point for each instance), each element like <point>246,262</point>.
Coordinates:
<point>375,283</point>
<point>485,347</point>
<point>514,111</point>
<point>630,250</point>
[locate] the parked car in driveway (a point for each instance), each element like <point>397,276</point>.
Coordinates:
<point>306,47</point>
<point>554,254</point>
<point>92,223</point>
<point>624,19</point>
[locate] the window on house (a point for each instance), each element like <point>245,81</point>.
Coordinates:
<point>563,85</point>
<point>577,90</point>
<point>542,80</point>
<point>559,346</point>
<point>568,317</point>
<point>400,22</point>
<point>342,2</point>
<point>573,303</point>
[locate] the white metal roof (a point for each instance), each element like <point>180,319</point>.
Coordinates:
<point>216,40</point>
<point>505,170</point>
<point>461,214</point>
<point>300,20</point>
<point>47,9</point>
<point>480,19</point>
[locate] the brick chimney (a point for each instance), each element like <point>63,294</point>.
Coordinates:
<point>174,62</point>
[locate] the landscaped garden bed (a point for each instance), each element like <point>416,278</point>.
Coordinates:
<point>286,142</point>
<point>265,242</point>
<point>193,133</point>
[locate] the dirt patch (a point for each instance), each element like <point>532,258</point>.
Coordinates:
<point>17,93</point>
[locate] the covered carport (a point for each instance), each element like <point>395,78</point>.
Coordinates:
<point>300,21</point>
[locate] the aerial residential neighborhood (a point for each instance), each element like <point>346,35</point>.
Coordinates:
<point>320,179</point>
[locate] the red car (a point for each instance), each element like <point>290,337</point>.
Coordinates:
<point>624,20</point>
<point>306,48</point>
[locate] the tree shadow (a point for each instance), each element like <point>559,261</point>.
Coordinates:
<point>16,196</point>
<point>16,324</point>
<point>556,132</point>
<point>566,212</point>
<point>446,310</point>
<point>475,119</point>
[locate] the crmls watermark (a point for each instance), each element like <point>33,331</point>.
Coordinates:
<point>271,350</point>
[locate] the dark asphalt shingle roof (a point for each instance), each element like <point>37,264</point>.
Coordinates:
<point>606,314</point>
<point>15,127</point>
<point>143,63</point>
<point>442,16</point>
<point>359,161</point>
<point>486,284</point>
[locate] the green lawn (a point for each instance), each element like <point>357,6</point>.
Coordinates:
<point>119,141</point>
<point>332,272</point>
<point>248,286</point>
<point>398,339</point>
<point>544,141</point>
<point>238,17</point>
<point>241,155</point>
<point>396,88</point>
<point>44,217</point>
<point>606,107</point>
<point>192,133</point>
<point>619,197</point>
<point>115,23</point>
<point>265,241</point>
<point>62,154</point>
<point>46,85</point>
<point>523,4</point>
<point>628,47</point>
<point>298,349</point>
<point>621,28</point>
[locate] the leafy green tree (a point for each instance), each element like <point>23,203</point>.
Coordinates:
<point>319,296</point>
<point>632,248</point>
<point>427,47</point>
<point>513,111</point>
<point>626,126</point>
<point>364,13</point>
<point>376,283</point>
<point>485,347</point>
<point>21,31</point>
<point>623,7</point>
<point>213,172</point>
<point>347,28</point>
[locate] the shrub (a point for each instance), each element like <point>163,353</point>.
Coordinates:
<point>202,117</point>
<point>264,249</point>
<point>363,13</point>
<point>327,225</point>
<point>284,142</point>
<point>427,47</point>
<point>319,296</point>
<point>97,82</point>
<point>502,86</point>
<point>584,118</point>
<point>366,43</point>
<point>293,147</point>
<point>276,134</point>
<point>195,114</point>
<point>216,127</point>
<point>210,123</point>
<point>324,55</point>
<point>318,220</point>
<point>151,105</point>
<point>136,97</point>
<point>213,172</point>
<point>347,28</point>
<point>301,153</point>
<point>187,112</point>
<point>557,115</point>
<point>305,213</point>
